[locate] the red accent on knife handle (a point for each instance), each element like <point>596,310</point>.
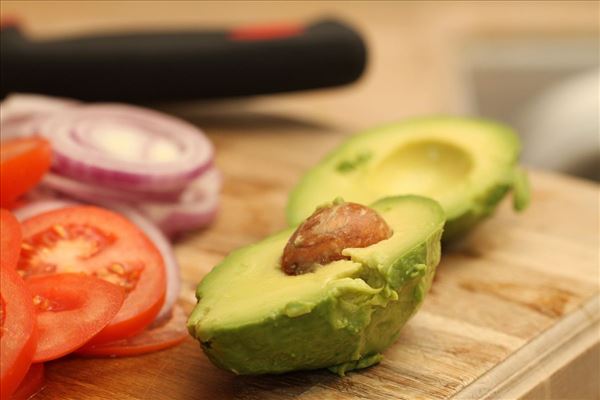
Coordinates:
<point>9,21</point>
<point>266,32</point>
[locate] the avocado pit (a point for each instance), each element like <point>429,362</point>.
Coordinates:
<point>327,232</point>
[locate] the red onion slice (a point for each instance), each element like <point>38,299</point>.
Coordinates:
<point>23,105</point>
<point>40,206</point>
<point>197,208</point>
<point>21,114</point>
<point>100,194</point>
<point>126,147</point>
<point>154,234</point>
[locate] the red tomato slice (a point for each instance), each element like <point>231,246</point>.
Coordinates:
<point>104,244</point>
<point>23,162</point>
<point>156,337</point>
<point>32,384</point>
<point>71,309</point>
<point>17,330</point>
<point>10,239</point>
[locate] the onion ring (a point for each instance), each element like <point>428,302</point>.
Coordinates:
<point>126,147</point>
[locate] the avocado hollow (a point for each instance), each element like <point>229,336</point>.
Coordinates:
<point>468,165</point>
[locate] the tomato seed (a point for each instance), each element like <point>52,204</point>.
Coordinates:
<point>61,231</point>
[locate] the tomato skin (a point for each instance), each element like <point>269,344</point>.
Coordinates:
<point>32,384</point>
<point>23,162</point>
<point>10,239</point>
<point>121,242</point>
<point>77,308</point>
<point>19,337</point>
<point>123,327</point>
<point>154,338</point>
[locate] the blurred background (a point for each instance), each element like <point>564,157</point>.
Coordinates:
<point>533,65</point>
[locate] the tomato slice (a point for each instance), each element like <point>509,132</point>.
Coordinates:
<point>17,330</point>
<point>71,309</point>
<point>23,162</point>
<point>157,337</point>
<point>32,384</point>
<point>103,244</point>
<point>10,239</point>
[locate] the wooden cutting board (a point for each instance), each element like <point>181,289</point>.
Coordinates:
<point>513,310</point>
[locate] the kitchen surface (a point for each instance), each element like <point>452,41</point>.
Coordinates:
<point>514,310</point>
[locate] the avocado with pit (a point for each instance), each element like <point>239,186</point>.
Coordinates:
<point>467,165</point>
<point>253,318</point>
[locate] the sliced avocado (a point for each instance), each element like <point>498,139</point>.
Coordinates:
<point>467,165</point>
<point>252,318</point>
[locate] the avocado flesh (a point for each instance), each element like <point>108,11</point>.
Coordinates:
<point>252,318</point>
<point>467,165</point>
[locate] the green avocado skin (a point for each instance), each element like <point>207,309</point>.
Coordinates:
<point>481,209</point>
<point>317,339</point>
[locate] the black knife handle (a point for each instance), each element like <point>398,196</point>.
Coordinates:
<point>145,67</point>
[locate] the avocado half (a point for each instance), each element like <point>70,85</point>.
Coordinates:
<point>467,165</point>
<point>252,318</point>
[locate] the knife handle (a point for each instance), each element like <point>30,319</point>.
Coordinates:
<point>143,67</point>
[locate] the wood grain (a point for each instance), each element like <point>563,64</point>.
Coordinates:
<point>512,309</point>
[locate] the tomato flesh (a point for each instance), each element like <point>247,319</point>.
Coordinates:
<point>71,309</point>
<point>17,330</point>
<point>32,384</point>
<point>23,162</point>
<point>10,239</point>
<point>156,337</point>
<point>103,244</point>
